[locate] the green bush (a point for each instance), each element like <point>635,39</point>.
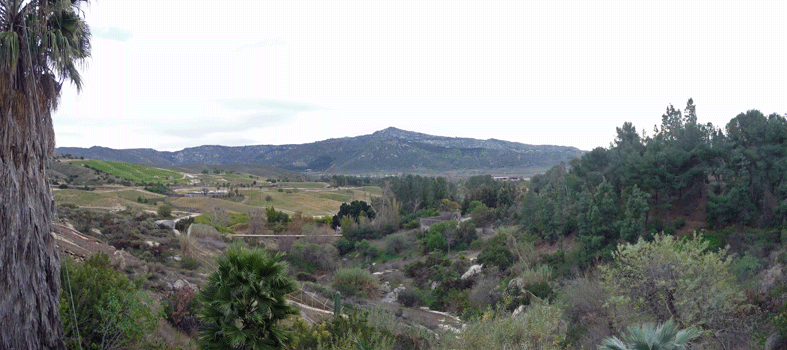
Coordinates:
<point>496,253</point>
<point>355,281</point>
<point>367,249</point>
<point>110,310</point>
<point>157,188</point>
<point>189,263</point>
<point>412,224</point>
<point>745,267</point>
<point>395,244</point>
<point>435,241</point>
<point>343,245</point>
<point>164,210</point>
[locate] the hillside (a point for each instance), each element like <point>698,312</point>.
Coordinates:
<point>383,152</point>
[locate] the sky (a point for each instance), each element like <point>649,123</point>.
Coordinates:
<point>174,74</point>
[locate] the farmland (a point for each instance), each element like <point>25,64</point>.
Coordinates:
<point>135,172</point>
<point>309,198</point>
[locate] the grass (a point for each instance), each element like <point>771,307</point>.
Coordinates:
<point>133,195</point>
<point>134,172</point>
<point>335,196</point>
<point>205,205</point>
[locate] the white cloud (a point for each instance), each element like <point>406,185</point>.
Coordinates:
<point>557,72</point>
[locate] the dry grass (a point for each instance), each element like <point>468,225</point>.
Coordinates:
<point>312,202</point>
<point>100,199</point>
<point>170,338</point>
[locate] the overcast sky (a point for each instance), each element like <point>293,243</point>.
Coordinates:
<point>174,74</point>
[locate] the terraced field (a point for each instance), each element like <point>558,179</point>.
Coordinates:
<point>135,172</point>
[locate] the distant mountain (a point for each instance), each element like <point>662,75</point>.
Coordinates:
<point>388,151</point>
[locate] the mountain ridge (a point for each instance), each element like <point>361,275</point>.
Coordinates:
<point>390,150</point>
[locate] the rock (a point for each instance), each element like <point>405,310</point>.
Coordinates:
<point>96,231</point>
<point>377,274</point>
<point>385,287</point>
<point>168,224</point>
<point>516,282</point>
<point>393,296</point>
<point>434,285</point>
<point>473,270</point>
<point>518,310</point>
<point>152,244</point>
<point>177,258</point>
<point>183,283</point>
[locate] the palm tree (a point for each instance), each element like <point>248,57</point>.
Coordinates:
<point>244,300</point>
<point>649,337</point>
<point>42,42</point>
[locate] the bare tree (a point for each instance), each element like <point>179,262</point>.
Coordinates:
<point>256,221</point>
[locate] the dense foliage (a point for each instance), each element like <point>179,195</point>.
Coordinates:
<point>353,210</point>
<point>626,190</point>
<point>100,307</point>
<point>244,301</point>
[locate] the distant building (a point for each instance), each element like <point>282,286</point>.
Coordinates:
<point>506,177</point>
<point>444,216</point>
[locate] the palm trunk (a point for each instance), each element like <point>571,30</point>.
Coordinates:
<point>29,261</point>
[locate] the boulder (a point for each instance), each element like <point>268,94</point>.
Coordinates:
<point>385,287</point>
<point>183,283</point>
<point>518,310</point>
<point>393,296</point>
<point>473,270</point>
<point>166,224</point>
<point>516,282</point>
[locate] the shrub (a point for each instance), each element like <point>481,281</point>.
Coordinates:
<point>189,263</point>
<point>659,280</point>
<point>541,326</point>
<point>410,297</point>
<point>180,309</point>
<point>435,241</point>
<point>356,281</point>
<point>367,249</point>
<point>164,210</point>
<point>395,244</point>
<point>157,188</point>
<point>412,224</point>
<point>110,310</point>
<point>323,256</point>
<point>497,255</point>
<point>343,245</point>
